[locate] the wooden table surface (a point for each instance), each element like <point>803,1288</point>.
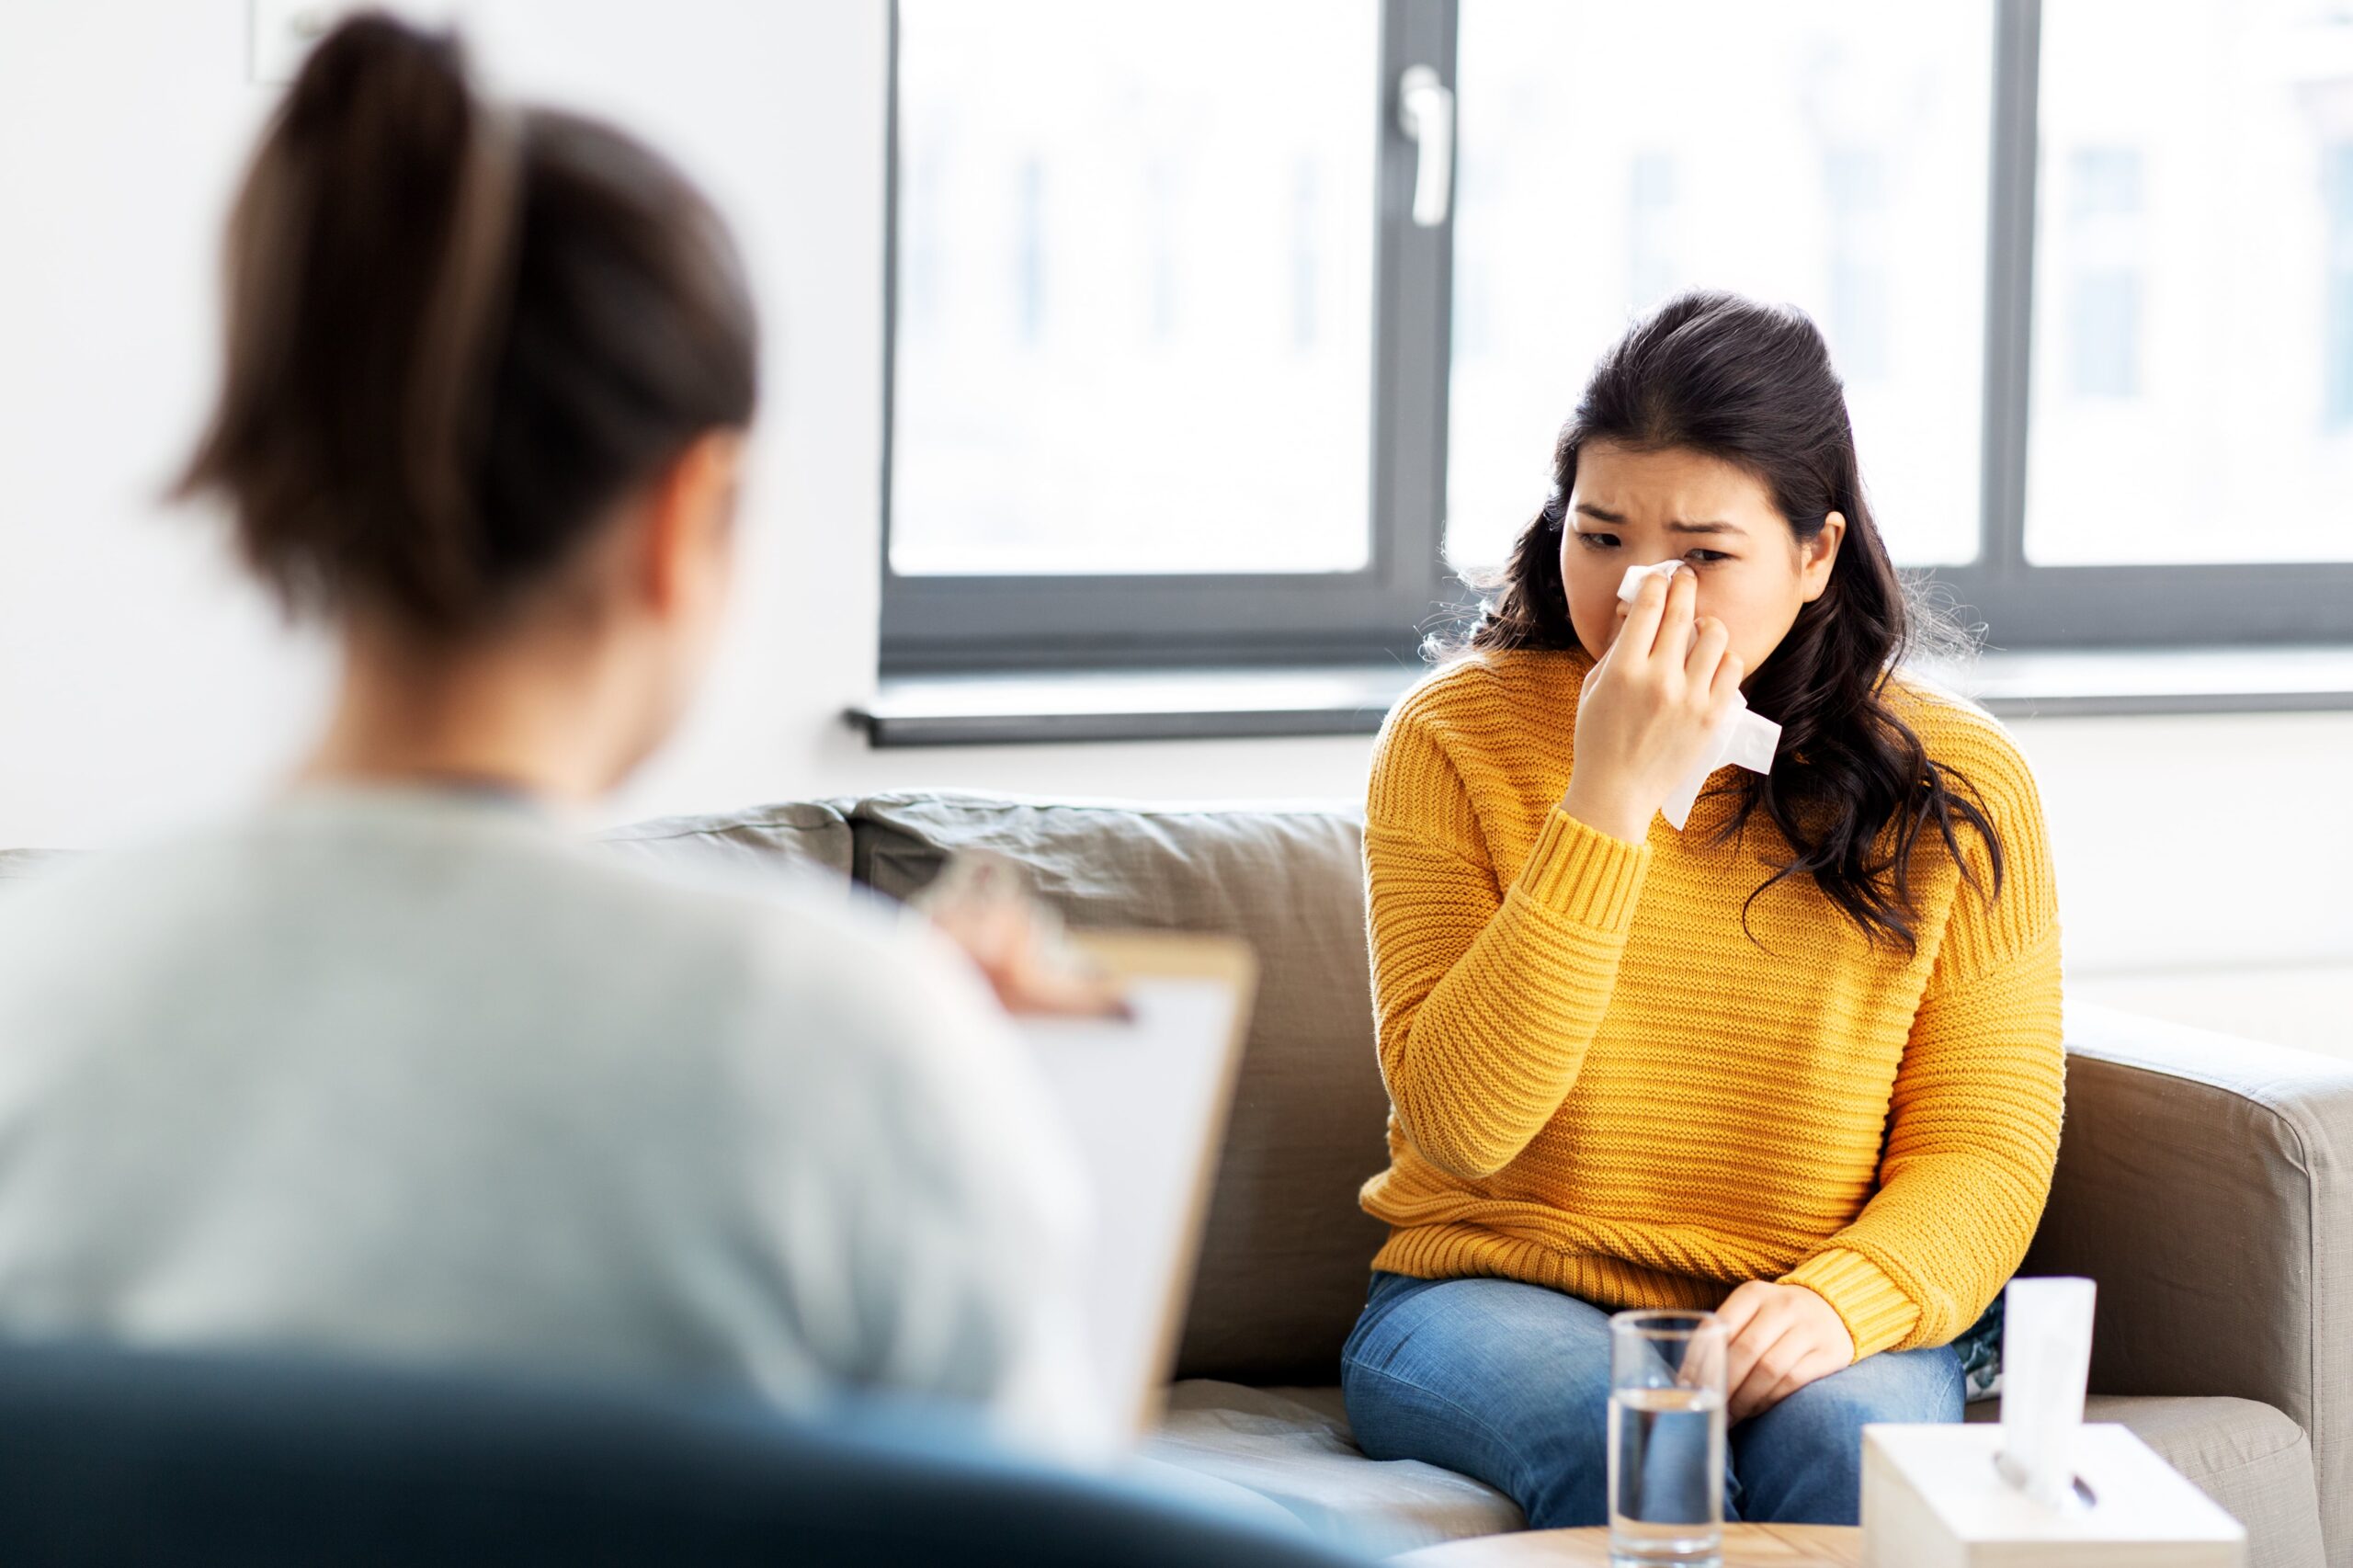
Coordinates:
<point>1746,1546</point>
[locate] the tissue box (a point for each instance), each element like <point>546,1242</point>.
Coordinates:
<point>1933,1499</point>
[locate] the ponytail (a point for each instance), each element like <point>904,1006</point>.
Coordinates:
<point>428,395</point>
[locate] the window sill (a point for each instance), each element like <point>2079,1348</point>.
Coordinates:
<point>1204,704</point>
<point>2288,679</point>
<point>1132,705</point>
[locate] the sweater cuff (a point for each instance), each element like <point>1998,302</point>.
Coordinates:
<point>1584,874</point>
<point>1877,1314</point>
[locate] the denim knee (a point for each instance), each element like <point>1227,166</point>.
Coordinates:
<point>1492,1378</point>
<point>1801,1462</point>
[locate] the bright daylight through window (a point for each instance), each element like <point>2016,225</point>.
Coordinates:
<point>1134,318</point>
<point>1211,342</point>
<point>1832,155</point>
<point>2193,364</point>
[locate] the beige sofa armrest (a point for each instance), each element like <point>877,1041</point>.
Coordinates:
<point>2207,1183</point>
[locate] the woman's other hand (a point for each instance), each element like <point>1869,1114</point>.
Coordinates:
<point>1777,1340</point>
<point>1648,707</point>
<point>983,905</point>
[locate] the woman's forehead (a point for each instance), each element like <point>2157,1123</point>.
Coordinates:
<point>1666,485</point>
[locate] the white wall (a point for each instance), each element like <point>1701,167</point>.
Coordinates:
<point>2205,865</point>
<point>2201,860</point>
<point>139,683</point>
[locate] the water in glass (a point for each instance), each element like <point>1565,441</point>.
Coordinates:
<point>1667,1439</point>
<point>1666,1452</point>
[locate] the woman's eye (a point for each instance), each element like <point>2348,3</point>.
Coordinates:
<point>1599,541</point>
<point>1704,556</point>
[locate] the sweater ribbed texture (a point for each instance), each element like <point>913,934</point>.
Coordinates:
<point>1599,1083</point>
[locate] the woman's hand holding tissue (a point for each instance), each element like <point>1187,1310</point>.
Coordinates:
<point>1649,709</point>
<point>1778,1338</point>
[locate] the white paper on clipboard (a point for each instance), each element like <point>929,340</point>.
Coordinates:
<point>1146,1099</point>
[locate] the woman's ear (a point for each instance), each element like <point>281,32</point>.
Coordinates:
<point>690,520</point>
<point>1818,555</point>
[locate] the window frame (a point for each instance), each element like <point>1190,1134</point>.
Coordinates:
<point>2025,605</point>
<point>940,624</point>
<point>936,625</point>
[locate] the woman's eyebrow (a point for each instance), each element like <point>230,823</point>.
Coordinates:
<point>1604,515</point>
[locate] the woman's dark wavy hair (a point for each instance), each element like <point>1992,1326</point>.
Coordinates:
<point>1852,788</point>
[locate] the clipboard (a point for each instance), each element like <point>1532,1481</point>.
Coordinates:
<point>1147,1099</point>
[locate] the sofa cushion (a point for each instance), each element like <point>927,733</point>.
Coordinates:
<point>730,844</point>
<point>2243,1454</point>
<point>739,845</point>
<point>1293,1445</point>
<point>23,865</point>
<point>1288,1256</point>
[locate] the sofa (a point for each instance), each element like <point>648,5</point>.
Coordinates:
<point>2202,1180</point>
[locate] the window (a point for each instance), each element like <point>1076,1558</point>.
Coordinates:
<point>1831,155</point>
<point>2195,258</point>
<point>1136,319</point>
<point>1160,334</point>
<point>2105,247</point>
<point>1178,377</point>
<point>2336,163</point>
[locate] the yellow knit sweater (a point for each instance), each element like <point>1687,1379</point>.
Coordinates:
<point>1599,1084</point>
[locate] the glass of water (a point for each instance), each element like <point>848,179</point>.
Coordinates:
<point>1667,1439</point>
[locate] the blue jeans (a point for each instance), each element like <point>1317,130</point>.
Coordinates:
<point>1510,1383</point>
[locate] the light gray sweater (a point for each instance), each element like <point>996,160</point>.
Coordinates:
<point>409,1073</point>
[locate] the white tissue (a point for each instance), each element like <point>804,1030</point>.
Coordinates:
<point>2046,1362</point>
<point>1632,583</point>
<point>1741,739</point>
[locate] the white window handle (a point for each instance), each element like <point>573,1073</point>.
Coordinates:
<point>1425,113</point>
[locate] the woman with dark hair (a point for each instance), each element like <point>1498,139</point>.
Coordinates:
<point>1799,1063</point>
<point>391,1065</point>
